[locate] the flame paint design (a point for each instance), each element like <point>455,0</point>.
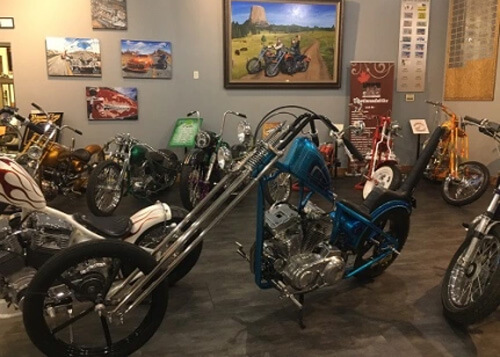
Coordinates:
<point>18,188</point>
<point>143,216</point>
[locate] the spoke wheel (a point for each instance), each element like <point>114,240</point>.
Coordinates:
<point>279,189</point>
<point>192,187</point>
<point>471,292</point>
<point>66,305</point>
<point>470,183</point>
<point>104,189</point>
<point>254,66</point>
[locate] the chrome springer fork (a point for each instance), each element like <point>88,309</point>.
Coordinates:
<point>131,296</point>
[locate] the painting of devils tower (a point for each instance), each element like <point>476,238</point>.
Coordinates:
<point>282,43</point>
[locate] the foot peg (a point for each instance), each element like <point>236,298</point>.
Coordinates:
<point>241,251</point>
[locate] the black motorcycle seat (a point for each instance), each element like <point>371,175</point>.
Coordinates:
<point>115,227</point>
<point>78,154</point>
<point>379,195</point>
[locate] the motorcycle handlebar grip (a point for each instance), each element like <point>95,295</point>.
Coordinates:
<point>20,117</point>
<point>353,150</point>
<point>78,132</point>
<point>36,106</point>
<point>35,128</point>
<point>191,113</point>
<point>241,115</point>
<point>473,120</point>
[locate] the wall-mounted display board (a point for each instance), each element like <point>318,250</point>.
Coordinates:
<point>471,56</point>
<point>413,35</point>
<point>372,85</point>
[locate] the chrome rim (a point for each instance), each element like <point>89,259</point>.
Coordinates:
<point>279,188</point>
<point>108,193</point>
<point>468,181</point>
<point>468,283</point>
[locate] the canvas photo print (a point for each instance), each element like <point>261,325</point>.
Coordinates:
<point>288,43</point>
<point>117,103</point>
<point>109,14</point>
<point>146,59</point>
<point>69,56</point>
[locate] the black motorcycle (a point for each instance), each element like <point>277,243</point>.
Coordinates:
<point>133,167</point>
<point>287,62</point>
<point>212,158</point>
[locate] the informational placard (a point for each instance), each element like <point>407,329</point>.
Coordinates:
<point>419,126</point>
<point>471,56</point>
<point>185,131</point>
<point>413,36</point>
<point>372,86</point>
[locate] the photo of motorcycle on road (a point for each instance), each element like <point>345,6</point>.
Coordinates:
<point>283,42</point>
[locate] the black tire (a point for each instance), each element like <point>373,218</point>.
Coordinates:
<point>279,189</point>
<point>95,191</point>
<point>272,69</point>
<point>484,304</point>
<point>472,181</point>
<point>34,313</point>
<point>387,175</point>
<point>147,239</point>
<point>173,163</point>
<point>190,190</point>
<point>395,221</point>
<point>254,66</point>
<point>305,66</point>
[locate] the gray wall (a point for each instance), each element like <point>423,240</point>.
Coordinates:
<point>194,27</point>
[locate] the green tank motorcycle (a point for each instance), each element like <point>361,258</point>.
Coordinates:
<point>132,167</point>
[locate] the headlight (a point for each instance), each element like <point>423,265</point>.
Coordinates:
<point>202,139</point>
<point>34,152</point>
<point>224,157</point>
<point>244,132</point>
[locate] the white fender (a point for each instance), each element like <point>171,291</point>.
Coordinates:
<point>18,188</point>
<point>148,217</point>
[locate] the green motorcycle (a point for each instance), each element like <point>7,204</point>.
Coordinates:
<point>132,167</point>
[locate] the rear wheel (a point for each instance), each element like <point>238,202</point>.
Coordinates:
<point>305,66</point>
<point>387,176</point>
<point>104,189</point>
<point>470,182</point>
<point>254,66</point>
<point>470,293</point>
<point>154,235</point>
<point>67,304</point>
<point>395,223</point>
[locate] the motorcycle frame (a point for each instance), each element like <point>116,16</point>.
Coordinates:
<point>455,145</point>
<point>250,171</point>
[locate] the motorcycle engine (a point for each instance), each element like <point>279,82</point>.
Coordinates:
<point>298,247</point>
<point>24,249</point>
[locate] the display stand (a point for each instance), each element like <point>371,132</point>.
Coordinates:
<point>419,127</point>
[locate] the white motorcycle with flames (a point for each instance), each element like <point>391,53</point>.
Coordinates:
<point>36,233</point>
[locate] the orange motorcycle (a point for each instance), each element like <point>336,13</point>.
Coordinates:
<point>59,169</point>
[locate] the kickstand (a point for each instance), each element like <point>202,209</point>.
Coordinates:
<point>301,312</point>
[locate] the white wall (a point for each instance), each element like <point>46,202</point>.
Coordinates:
<point>371,30</point>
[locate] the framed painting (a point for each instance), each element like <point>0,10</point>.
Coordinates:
<point>109,14</point>
<point>146,59</point>
<point>282,43</point>
<point>105,103</point>
<point>69,56</point>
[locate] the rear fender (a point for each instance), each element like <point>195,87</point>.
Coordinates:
<point>148,217</point>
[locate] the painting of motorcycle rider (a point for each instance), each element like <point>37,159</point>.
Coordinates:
<point>282,44</point>
<point>119,103</point>
<point>109,14</point>
<point>68,56</point>
<point>146,59</point>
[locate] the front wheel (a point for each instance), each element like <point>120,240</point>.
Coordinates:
<point>278,189</point>
<point>471,292</point>
<point>254,66</point>
<point>272,69</point>
<point>387,176</point>
<point>470,182</point>
<point>305,66</point>
<point>66,305</point>
<point>104,189</point>
<point>192,186</point>
<point>154,235</point>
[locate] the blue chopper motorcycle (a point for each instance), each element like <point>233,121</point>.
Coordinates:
<point>298,248</point>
